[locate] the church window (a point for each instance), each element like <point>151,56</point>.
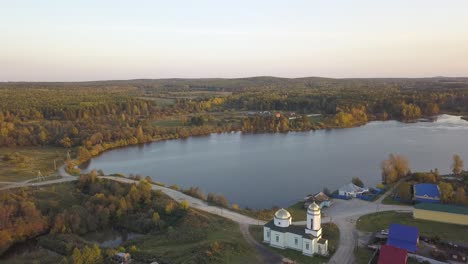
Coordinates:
<point>307,246</point>
<point>268,233</point>
<point>295,241</point>
<point>277,238</point>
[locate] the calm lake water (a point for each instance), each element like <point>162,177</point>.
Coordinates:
<point>262,170</point>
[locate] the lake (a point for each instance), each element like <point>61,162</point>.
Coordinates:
<point>262,170</point>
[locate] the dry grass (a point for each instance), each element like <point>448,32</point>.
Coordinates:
<point>23,163</point>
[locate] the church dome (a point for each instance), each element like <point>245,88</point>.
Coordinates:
<point>282,214</point>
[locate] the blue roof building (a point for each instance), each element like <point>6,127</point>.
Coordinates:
<point>426,193</point>
<point>403,236</point>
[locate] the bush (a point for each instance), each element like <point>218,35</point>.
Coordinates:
<point>184,205</point>
<point>217,199</point>
<point>174,187</point>
<point>195,192</point>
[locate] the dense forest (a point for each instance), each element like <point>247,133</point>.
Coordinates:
<point>91,117</point>
<point>60,216</point>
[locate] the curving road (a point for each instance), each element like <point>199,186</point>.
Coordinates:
<point>196,203</point>
<point>343,213</point>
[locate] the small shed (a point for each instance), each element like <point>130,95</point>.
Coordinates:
<point>392,255</point>
<point>404,237</point>
<point>426,193</point>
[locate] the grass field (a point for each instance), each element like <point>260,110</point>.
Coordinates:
<point>159,101</point>
<point>389,200</point>
<point>330,232</point>
<point>298,212</point>
<point>198,237</point>
<point>45,256</point>
<point>363,255</point>
<point>23,163</point>
<point>382,220</point>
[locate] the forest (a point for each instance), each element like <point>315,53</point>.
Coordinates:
<point>60,216</point>
<point>91,117</point>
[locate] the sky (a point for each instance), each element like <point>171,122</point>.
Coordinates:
<point>111,39</point>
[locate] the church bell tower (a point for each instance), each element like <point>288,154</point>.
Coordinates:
<point>314,224</point>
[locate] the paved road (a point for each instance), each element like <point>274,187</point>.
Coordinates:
<point>65,177</point>
<point>264,254</point>
<point>197,203</point>
<point>345,214</point>
<point>176,195</point>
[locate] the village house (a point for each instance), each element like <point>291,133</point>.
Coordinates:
<point>280,233</point>
<point>321,199</point>
<point>426,193</point>
<point>392,255</point>
<point>352,190</point>
<point>404,237</point>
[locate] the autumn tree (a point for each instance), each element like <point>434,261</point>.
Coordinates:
<point>134,195</point>
<point>404,191</point>
<point>144,188</point>
<point>185,205</point>
<point>457,165</point>
<point>170,206</point>
<point>394,168</point>
<point>66,142</point>
<point>156,217</point>
<point>83,154</point>
<point>446,192</point>
<point>76,257</point>
<point>460,196</point>
<point>357,181</point>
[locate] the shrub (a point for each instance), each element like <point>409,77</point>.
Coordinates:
<point>174,187</point>
<point>184,205</point>
<point>195,192</point>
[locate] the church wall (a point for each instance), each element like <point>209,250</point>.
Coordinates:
<point>323,248</point>
<point>308,251</point>
<point>266,236</point>
<point>290,239</point>
<point>280,243</point>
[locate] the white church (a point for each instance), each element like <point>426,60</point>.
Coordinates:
<point>280,232</point>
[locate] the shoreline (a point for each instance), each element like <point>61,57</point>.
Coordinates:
<point>267,132</point>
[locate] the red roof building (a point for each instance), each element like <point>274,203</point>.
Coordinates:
<point>392,255</point>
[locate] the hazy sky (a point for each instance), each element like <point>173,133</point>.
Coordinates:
<point>96,39</point>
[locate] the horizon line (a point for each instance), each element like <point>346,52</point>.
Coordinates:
<point>239,78</point>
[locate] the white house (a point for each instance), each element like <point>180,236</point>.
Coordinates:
<point>351,190</point>
<point>280,233</point>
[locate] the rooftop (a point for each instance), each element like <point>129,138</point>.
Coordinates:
<point>446,208</point>
<point>352,188</point>
<point>403,236</point>
<point>282,214</point>
<point>426,189</point>
<point>392,255</point>
<point>294,229</point>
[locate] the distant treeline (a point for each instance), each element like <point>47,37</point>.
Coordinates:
<point>91,117</point>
